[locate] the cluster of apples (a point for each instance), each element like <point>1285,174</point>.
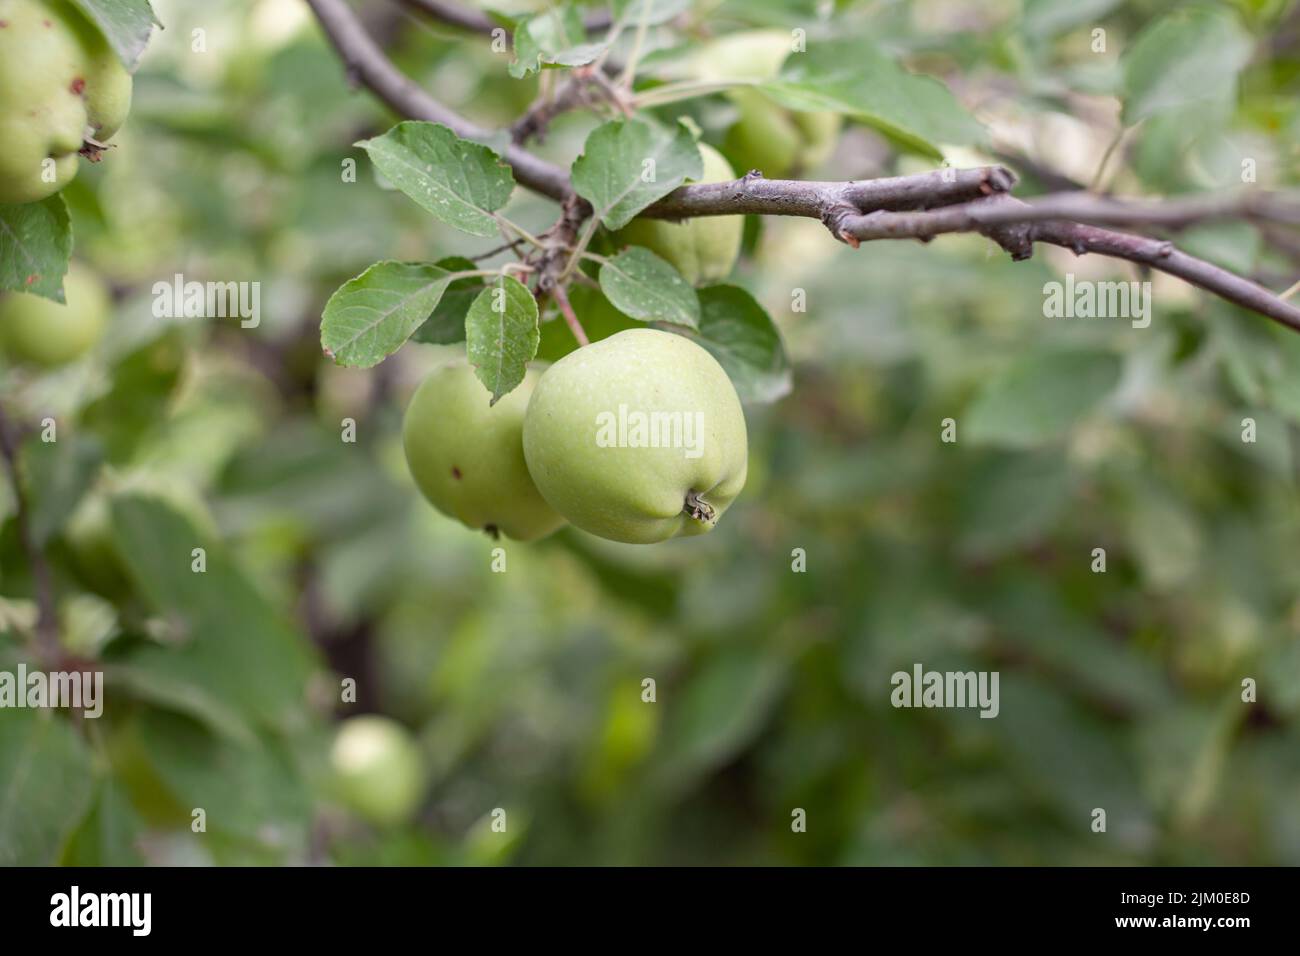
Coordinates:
<point>63,91</point>
<point>536,459</point>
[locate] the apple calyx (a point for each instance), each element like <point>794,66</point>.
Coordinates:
<point>698,508</point>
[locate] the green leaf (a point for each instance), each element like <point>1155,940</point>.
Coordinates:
<point>371,316</point>
<point>447,324</point>
<point>854,77</point>
<point>126,24</point>
<point>1040,397</point>
<point>1012,500</point>
<point>58,474</point>
<point>35,245</point>
<point>232,642</point>
<point>628,164</point>
<point>554,38</point>
<point>106,837</point>
<point>501,335</point>
<point>46,785</point>
<point>134,409</point>
<point>742,337</point>
<point>461,183</point>
<point>251,791</point>
<point>646,287</point>
<point>720,710</point>
<point>1047,18</point>
<point>1189,56</point>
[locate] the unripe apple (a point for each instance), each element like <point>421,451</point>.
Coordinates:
<point>378,769</point>
<point>42,332</point>
<point>703,249</point>
<point>467,456</point>
<point>766,136</point>
<point>639,437</point>
<point>60,84</point>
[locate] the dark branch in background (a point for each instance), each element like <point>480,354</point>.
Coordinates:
<point>47,622</point>
<point>907,207</point>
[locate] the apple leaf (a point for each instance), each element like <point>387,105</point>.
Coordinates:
<point>126,24</point>
<point>35,245</point>
<point>459,182</point>
<point>1190,56</point>
<point>237,647</point>
<point>1040,397</point>
<point>370,317</point>
<point>854,77</point>
<point>742,337</point>
<point>501,335</point>
<point>1047,18</point>
<point>628,164</point>
<point>46,785</point>
<point>642,285</point>
<point>447,323</point>
<point>59,473</point>
<point>554,38</point>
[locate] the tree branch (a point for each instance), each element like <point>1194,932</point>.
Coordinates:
<point>1016,226</point>
<point>367,65</point>
<point>905,207</point>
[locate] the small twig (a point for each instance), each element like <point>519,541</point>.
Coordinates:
<point>570,317</point>
<point>512,245</point>
<point>47,623</point>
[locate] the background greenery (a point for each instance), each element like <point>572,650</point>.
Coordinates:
<point>1119,690</point>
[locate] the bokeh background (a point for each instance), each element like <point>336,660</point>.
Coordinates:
<point>1120,690</point>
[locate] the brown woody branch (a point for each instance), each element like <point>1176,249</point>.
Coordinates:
<point>907,207</point>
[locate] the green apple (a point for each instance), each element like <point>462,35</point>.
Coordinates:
<point>639,437</point>
<point>60,84</point>
<point>703,249</point>
<point>42,332</point>
<point>766,136</point>
<point>467,456</point>
<point>378,769</point>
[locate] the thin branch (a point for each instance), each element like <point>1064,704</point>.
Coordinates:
<point>793,197</point>
<point>1012,224</point>
<point>585,86</point>
<point>47,624</point>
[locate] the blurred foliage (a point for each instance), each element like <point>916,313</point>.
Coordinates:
<point>524,689</point>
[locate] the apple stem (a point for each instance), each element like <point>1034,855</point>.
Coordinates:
<point>570,317</point>
<point>698,508</point>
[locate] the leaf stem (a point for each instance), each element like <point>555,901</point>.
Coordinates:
<point>685,90</point>
<point>519,230</point>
